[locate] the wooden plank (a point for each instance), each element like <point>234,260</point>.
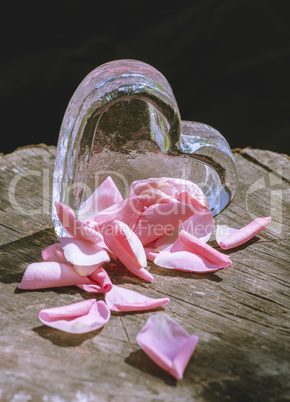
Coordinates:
<point>239,313</point>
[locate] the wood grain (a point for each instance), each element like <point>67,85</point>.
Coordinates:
<point>240,313</point>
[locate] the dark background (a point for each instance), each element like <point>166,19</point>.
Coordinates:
<point>227,61</point>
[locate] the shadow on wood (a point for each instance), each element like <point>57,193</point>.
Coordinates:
<point>141,361</point>
<point>64,339</point>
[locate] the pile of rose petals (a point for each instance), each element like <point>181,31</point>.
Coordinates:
<point>164,220</point>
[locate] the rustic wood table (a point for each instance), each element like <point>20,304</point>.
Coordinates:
<point>239,313</point>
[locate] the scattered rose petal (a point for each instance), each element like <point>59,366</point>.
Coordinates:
<point>222,232</point>
<point>121,299</point>
<point>83,252</point>
<point>54,253</point>
<point>167,344</point>
<point>180,257</point>
<point>103,197</point>
<point>199,247</point>
<point>241,236</point>
<point>127,248</point>
<point>74,227</point>
<point>128,211</point>
<point>77,318</point>
<point>160,219</point>
<point>41,275</point>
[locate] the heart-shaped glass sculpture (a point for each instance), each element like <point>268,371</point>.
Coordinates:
<point>123,121</point>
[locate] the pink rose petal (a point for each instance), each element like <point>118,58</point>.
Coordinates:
<point>104,196</point>
<point>161,218</point>
<point>244,234</point>
<point>54,253</point>
<point>200,224</point>
<point>127,248</point>
<point>128,211</point>
<point>77,318</point>
<point>74,227</point>
<point>182,185</point>
<point>150,252</point>
<point>157,196</point>
<point>167,344</point>
<point>121,299</point>
<point>160,183</point>
<point>199,247</point>
<point>222,232</point>
<point>180,257</point>
<point>101,277</point>
<point>41,275</point>
<point>83,252</point>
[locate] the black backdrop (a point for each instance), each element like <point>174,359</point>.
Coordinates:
<point>227,61</point>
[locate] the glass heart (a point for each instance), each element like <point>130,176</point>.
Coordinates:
<point>123,121</point>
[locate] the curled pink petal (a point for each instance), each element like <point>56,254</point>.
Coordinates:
<point>167,344</point>
<point>41,275</point>
<point>77,318</point>
<point>180,257</point>
<point>101,276</point>
<point>199,247</point>
<point>83,252</point>
<point>160,219</point>
<point>246,233</point>
<point>74,227</point>
<point>54,253</point>
<point>127,248</point>
<point>103,197</point>
<point>222,232</point>
<point>121,299</point>
<point>128,211</point>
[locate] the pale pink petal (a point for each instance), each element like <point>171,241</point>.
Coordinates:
<point>167,344</point>
<point>82,252</point>
<point>181,257</point>
<point>222,232</point>
<point>199,247</point>
<point>246,233</point>
<point>121,299</point>
<point>157,196</point>
<point>41,275</point>
<point>187,198</point>
<point>158,183</point>
<point>127,248</point>
<point>160,219</point>
<point>166,241</point>
<point>74,227</point>
<point>128,211</point>
<point>54,253</point>
<point>104,196</point>
<point>150,252</point>
<point>182,185</point>
<point>77,318</point>
<point>85,270</point>
<point>200,224</point>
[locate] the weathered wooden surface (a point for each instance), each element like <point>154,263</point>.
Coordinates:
<point>239,313</point>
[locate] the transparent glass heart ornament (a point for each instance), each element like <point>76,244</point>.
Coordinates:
<point>123,121</point>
